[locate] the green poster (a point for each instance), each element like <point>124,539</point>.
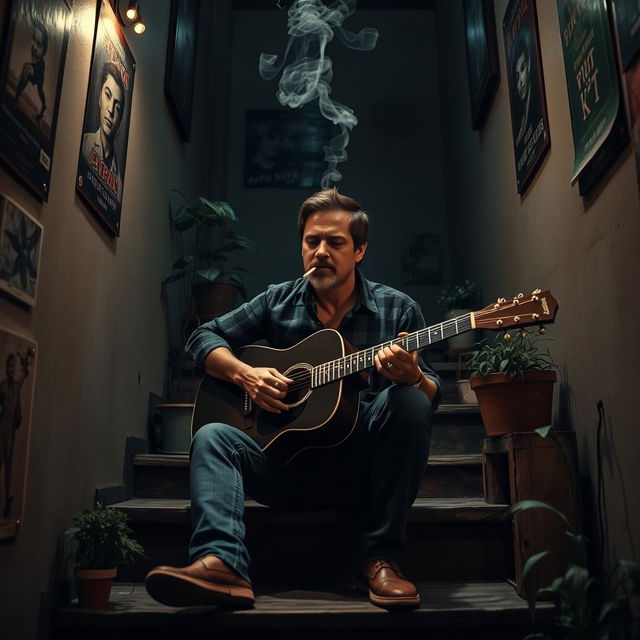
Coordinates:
<point>592,82</point>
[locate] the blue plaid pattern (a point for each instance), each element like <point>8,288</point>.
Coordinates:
<point>285,313</point>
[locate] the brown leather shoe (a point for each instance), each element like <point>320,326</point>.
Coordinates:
<point>386,585</point>
<point>208,581</point>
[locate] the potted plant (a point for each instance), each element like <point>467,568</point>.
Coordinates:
<point>513,381</point>
<point>214,285</point>
<point>458,300</point>
<point>101,536</point>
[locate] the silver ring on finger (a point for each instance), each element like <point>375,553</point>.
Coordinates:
<point>389,365</point>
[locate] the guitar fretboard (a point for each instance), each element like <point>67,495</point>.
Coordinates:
<point>341,367</point>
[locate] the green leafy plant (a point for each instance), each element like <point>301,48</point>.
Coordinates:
<point>102,538</point>
<point>204,262</point>
<point>460,296</point>
<point>587,608</point>
<point>509,355</point>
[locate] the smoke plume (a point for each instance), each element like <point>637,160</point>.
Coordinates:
<point>311,26</point>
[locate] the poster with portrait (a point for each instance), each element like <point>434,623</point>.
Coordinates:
<point>482,57</point>
<point>17,376</point>
<point>597,120</point>
<point>180,67</point>
<point>105,132</point>
<point>34,56</point>
<point>628,24</point>
<point>285,147</point>
<point>20,246</point>
<point>529,120</point>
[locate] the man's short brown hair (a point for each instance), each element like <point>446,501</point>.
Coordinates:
<point>331,200</point>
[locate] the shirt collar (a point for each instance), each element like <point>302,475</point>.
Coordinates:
<point>365,300</point>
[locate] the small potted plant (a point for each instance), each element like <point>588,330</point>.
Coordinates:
<point>456,301</point>
<point>513,380</point>
<point>102,541</point>
<point>214,285</point>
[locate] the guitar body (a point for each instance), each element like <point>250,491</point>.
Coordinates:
<point>320,417</point>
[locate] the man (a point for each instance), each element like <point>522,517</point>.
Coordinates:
<point>33,72</point>
<point>385,456</point>
<point>521,70</point>
<point>98,148</point>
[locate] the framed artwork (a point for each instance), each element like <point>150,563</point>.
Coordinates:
<point>628,25</point>
<point>482,57</point>
<point>20,246</point>
<point>422,259</point>
<point>529,120</point>
<point>105,132</point>
<point>180,66</point>
<point>34,57</point>
<point>597,115</point>
<point>285,147</point>
<point>17,375</point>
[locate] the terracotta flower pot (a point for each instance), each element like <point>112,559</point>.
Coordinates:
<point>94,587</point>
<point>520,403</point>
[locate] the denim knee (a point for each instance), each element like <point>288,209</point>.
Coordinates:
<point>214,434</point>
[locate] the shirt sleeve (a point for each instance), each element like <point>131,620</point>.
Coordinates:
<point>412,320</point>
<point>245,325</point>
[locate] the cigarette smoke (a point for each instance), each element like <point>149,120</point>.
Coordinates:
<point>311,26</point>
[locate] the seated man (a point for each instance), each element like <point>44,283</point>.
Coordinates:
<point>385,455</point>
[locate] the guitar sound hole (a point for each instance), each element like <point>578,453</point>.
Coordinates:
<point>300,387</point>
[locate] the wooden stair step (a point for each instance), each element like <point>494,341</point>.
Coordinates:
<point>473,609</point>
<point>447,476</point>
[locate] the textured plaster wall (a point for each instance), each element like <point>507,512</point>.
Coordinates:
<point>584,250</point>
<point>99,321</point>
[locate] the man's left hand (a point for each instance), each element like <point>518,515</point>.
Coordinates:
<point>398,365</point>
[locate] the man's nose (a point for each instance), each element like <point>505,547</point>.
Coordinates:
<point>322,249</point>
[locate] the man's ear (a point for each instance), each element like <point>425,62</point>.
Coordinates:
<point>360,251</point>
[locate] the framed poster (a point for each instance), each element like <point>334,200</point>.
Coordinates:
<point>285,147</point>
<point>20,245</point>
<point>31,79</point>
<point>180,66</point>
<point>103,152</point>
<point>628,25</point>
<point>17,375</point>
<point>597,117</point>
<point>529,120</point>
<point>482,57</point>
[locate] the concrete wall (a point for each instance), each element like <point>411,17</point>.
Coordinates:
<point>394,167</point>
<point>100,322</point>
<point>585,250</point>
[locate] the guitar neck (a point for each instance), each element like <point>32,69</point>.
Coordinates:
<point>341,367</point>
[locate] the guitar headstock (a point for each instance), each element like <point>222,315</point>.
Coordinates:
<point>521,311</point>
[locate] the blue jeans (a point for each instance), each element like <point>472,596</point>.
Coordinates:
<point>378,469</point>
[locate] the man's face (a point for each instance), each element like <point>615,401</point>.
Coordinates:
<point>522,76</point>
<point>37,44</point>
<point>327,245</point>
<point>110,107</point>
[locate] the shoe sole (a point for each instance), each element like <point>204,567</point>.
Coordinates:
<point>390,602</point>
<point>184,591</point>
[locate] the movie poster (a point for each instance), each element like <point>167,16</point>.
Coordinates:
<point>529,120</point>
<point>17,375</point>
<point>32,70</point>
<point>105,133</point>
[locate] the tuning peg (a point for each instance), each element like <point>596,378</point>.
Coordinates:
<point>516,301</point>
<point>536,292</point>
<point>499,322</point>
<point>523,332</point>
<point>520,295</point>
<point>507,336</point>
<point>541,330</point>
<point>516,318</point>
<point>535,316</point>
<point>501,300</point>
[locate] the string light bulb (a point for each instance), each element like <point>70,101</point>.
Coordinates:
<point>139,26</point>
<point>133,10</point>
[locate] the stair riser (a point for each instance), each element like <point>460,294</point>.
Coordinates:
<point>441,481</point>
<point>304,553</point>
<point>457,434</point>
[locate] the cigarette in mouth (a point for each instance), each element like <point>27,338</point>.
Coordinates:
<point>308,273</point>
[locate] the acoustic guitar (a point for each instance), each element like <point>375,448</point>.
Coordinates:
<point>323,400</point>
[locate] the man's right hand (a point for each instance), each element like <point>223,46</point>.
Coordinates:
<point>266,386</point>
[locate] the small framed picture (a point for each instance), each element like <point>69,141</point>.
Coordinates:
<point>482,57</point>
<point>181,56</point>
<point>17,376</point>
<point>20,245</point>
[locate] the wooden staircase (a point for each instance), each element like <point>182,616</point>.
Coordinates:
<point>460,552</point>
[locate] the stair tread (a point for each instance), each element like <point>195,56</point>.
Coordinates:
<point>454,604</point>
<point>177,510</point>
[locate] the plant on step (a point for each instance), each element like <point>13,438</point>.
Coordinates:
<point>203,261</point>
<point>587,608</point>
<point>460,296</point>
<point>102,539</point>
<point>510,355</point>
